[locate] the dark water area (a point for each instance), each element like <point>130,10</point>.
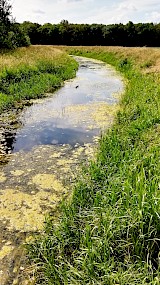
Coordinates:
<point>67,117</point>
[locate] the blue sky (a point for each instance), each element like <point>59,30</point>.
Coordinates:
<point>86,11</point>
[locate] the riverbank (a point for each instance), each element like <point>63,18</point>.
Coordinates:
<point>25,74</point>
<point>109,232</point>
<point>41,157</point>
<point>29,73</point>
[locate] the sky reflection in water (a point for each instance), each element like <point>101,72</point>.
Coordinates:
<point>67,116</point>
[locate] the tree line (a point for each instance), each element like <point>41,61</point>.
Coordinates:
<point>14,34</point>
<point>65,33</point>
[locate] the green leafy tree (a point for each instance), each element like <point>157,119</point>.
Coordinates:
<point>5,22</point>
<point>5,12</point>
<point>66,33</point>
<point>11,33</point>
<point>33,31</point>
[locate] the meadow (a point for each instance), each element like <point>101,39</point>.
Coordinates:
<point>109,230</point>
<point>30,72</point>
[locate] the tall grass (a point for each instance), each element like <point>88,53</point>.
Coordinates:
<point>30,72</point>
<point>109,232</point>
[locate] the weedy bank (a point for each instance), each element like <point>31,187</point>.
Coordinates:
<point>109,232</point>
<point>28,73</point>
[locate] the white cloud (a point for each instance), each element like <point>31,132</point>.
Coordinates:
<point>121,12</point>
<point>125,11</point>
<point>153,17</point>
<point>123,6</point>
<point>87,11</point>
<point>38,12</point>
<point>74,0</point>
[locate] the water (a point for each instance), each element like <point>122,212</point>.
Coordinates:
<point>68,116</point>
<point>45,150</point>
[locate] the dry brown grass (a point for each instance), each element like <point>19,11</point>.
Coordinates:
<point>29,55</point>
<point>148,59</point>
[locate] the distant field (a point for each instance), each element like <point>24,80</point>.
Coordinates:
<point>109,232</point>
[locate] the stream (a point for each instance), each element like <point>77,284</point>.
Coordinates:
<point>42,150</point>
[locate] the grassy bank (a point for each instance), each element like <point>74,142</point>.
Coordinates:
<point>109,233</point>
<point>30,72</point>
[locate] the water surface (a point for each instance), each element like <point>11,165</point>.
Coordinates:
<point>70,115</point>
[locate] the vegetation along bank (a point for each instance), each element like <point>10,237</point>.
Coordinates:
<point>29,72</point>
<point>108,233</point>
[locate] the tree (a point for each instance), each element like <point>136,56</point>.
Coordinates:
<point>32,30</point>
<point>5,12</point>
<point>11,34</point>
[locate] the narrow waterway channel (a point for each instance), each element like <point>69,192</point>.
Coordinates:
<point>53,136</point>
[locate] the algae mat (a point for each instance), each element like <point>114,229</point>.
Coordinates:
<point>32,184</point>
